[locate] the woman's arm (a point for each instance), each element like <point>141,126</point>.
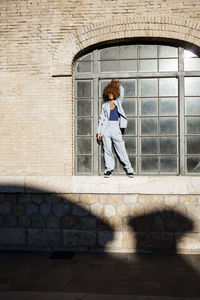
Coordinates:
<point>121,97</point>
<point>100,121</point>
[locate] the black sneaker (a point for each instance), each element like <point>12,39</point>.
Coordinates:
<point>131,175</point>
<point>107,174</point>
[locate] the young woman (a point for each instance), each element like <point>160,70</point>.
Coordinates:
<point>111,121</point>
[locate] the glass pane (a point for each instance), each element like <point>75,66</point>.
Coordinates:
<point>168,125</point>
<point>192,64</point>
<point>168,106</point>
<point>193,125</point>
<point>149,126</point>
<point>84,164</point>
<point>128,65</point>
<point>84,89</point>
<point>129,106</point>
<point>168,145</point>
<point>168,165</point>
<point>149,165</point>
<point>192,86</point>
<point>193,145</point>
<point>167,51</point>
<point>168,87</point>
<point>192,106</point>
<point>130,143</point>
<point>84,145</point>
<point>84,107</point>
<point>148,87</point>
<point>84,66</point>
<point>168,65</point>
<point>129,88</point>
<point>193,164</point>
<point>148,65</point>
<point>86,57</point>
<point>108,66</point>
<point>84,126</point>
<point>133,161</point>
<point>188,53</point>
<point>147,51</point>
<point>131,127</point>
<point>129,51</point>
<point>108,53</point>
<point>149,145</point>
<point>149,106</point>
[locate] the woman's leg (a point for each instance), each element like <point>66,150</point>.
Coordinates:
<point>108,155</point>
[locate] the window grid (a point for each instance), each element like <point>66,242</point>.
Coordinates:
<point>181,135</point>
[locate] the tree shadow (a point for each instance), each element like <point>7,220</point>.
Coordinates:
<point>152,270</point>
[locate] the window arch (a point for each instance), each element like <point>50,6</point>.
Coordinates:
<point>162,104</point>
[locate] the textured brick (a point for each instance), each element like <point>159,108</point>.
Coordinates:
<point>12,237</point>
<point>79,238</point>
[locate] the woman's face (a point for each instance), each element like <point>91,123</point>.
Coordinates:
<point>110,96</point>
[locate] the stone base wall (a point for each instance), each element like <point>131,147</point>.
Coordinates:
<point>100,222</point>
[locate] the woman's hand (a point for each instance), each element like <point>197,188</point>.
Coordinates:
<point>99,137</point>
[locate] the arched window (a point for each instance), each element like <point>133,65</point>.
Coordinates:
<point>162,103</point>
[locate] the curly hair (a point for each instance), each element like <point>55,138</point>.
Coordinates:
<point>112,87</point>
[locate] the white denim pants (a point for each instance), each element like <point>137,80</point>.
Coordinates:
<point>113,133</point>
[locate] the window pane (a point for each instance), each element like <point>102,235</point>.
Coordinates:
<point>131,127</point>
<point>167,51</point>
<point>149,126</point>
<point>168,106</point>
<point>192,86</point>
<point>148,87</point>
<point>188,53</point>
<point>84,89</point>
<point>86,57</point>
<point>84,126</point>
<point>168,165</point>
<point>192,64</point>
<point>193,125</point>
<point>149,106</point>
<point>149,145</point>
<point>147,51</point>
<point>193,145</point>
<point>130,143</point>
<point>168,87</point>
<point>148,65</point>
<point>129,88</point>
<point>108,66</point>
<point>84,164</point>
<point>128,65</point>
<point>84,107</point>
<point>129,106</point>
<point>85,66</point>
<point>149,165</point>
<point>108,53</point>
<point>129,51</point>
<point>192,106</point>
<point>168,65</point>
<point>84,145</point>
<point>168,125</point>
<point>193,164</point>
<point>168,145</point>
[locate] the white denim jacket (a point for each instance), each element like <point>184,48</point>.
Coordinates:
<point>105,113</point>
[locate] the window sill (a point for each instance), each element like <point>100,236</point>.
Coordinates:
<point>101,185</point>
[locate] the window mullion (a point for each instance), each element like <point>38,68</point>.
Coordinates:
<point>95,113</point>
<point>181,110</point>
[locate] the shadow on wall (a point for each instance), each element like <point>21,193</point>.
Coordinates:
<point>38,219</point>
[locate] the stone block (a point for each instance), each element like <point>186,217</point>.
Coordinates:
<point>109,210</point>
<point>45,209</point>
<point>79,211</point>
<point>31,209</point>
<point>116,199</point>
<point>97,209</point>
<point>53,222</point>
<point>128,240</point>
<point>38,221</point>
<point>72,198</point>
<point>11,197</point>
<point>122,210</point>
<point>52,198</point>
<point>104,199</point>
<point>5,208</point>
<point>171,200</point>
<point>2,198</point>
<point>158,224</point>
<point>12,237</point>
<point>193,211</point>
<point>130,198</point>
<point>158,201</point>
<point>10,221</point>
<point>79,238</point>
<point>18,209</point>
<point>60,209</point>
<point>37,198</point>
<point>24,221</point>
<point>24,198</point>
<point>88,223</point>
<point>43,237</point>
<point>88,198</point>
<point>70,222</point>
<point>137,209</point>
<point>188,199</point>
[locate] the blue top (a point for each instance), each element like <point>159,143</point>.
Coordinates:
<point>114,115</point>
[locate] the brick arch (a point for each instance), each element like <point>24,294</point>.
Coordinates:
<point>154,27</point>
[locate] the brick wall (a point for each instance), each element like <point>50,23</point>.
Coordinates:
<point>36,108</point>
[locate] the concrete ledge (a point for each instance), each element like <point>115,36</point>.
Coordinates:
<point>100,185</point>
